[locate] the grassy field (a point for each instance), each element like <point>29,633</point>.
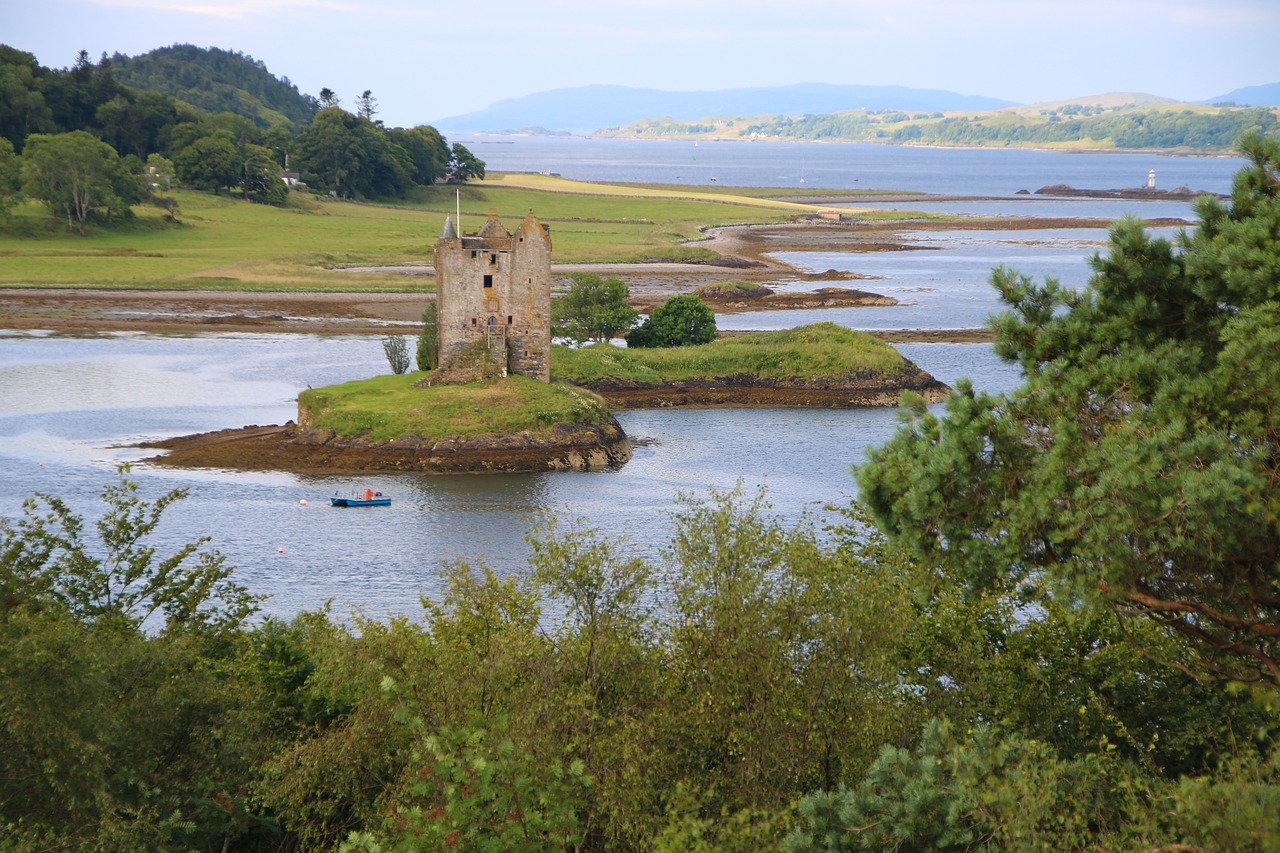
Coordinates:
<point>387,407</point>
<point>818,351</point>
<point>225,244</point>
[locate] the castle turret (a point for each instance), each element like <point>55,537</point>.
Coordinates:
<point>493,299</point>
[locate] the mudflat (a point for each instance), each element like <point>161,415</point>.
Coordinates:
<point>744,255</point>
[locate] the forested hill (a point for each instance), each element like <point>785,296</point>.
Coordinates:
<point>1127,121</point>
<point>218,81</point>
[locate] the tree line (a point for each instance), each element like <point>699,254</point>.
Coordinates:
<point>89,147</point>
<point>1052,626</point>
<point>1119,128</point>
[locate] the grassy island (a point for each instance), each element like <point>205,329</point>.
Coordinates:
<point>388,424</point>
<point>818,365</point>
<point>389,407</point>
<point>822,351</point>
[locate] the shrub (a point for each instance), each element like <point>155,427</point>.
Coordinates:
<point>397,353</point>
<point>680,321</point>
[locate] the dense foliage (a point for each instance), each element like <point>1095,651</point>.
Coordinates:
<point>218,81</point>
<point>1138,465</point>
<point>594,309</point>
<point>673,705</point>
<point>78,176</point>
<point>680,321</point>
<point>244,147</point>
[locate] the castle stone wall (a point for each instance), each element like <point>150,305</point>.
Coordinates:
<point>493,289</point>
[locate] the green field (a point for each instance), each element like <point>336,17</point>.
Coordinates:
<point>387,407</point>
<point>223,244</point>
<point>815,352</point>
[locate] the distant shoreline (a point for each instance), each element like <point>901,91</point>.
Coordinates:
<point>1064,149</point>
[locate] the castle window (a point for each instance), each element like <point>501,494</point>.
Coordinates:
<point>508,319</point>
<point>473,254</point>
<point>493,260</point>
<point>488,281</point>
<point>473,322</point>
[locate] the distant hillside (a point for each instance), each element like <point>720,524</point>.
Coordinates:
<point>589,108</point>
<point>218,81</point>
<point>1107,101</point>
<point>1251,96</point>
<point>1083,124</point>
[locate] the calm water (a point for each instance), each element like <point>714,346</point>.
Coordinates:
<point>127,387</point>
<point>942,171</point>
<point>68,404</point>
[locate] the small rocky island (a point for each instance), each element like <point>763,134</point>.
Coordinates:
<point>492,405</point>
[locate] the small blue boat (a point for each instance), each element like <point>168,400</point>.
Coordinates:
<point>368,497</point>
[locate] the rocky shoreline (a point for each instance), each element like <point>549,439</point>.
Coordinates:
<point>744,390</point>
<point>301,451</point>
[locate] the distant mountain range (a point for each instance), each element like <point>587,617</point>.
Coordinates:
<point>1250,96</point>
<point>218,80</point>
<point>589,108</point>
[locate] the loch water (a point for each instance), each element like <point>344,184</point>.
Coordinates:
<point>69,406</point>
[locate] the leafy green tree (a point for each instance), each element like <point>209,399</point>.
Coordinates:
<point>136,123</point>
<point>128,721</point>
<point>366,105</point>
<point>680,321</point>
<point>594,309</point>
<point>1136,467</point>
<point>23,109</point>
<point>160,171</point>
<point>765,622</point>
<point>463,165</point>
<point>210,163</point>
<point>261,177</point>
<point>47,560</point>
<point>72,97</point>
<point>10,176</point>
<point>428,353</point>
<point>352,157</point>
<point>980,792</point>
<point>477,790</point>
<point>427,150</point>
<point>78,175</point>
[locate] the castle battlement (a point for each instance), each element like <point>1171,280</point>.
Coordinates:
<point>493,297</point>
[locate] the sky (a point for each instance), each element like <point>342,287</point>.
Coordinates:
<point>425,60</point>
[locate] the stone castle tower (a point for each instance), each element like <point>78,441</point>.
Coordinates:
<point>493,301</point>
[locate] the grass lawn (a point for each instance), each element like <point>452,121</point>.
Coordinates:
<point>387,407</point>
<point>818,351</point>
<point>222,243</point>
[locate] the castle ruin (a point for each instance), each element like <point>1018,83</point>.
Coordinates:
<point>493,301</point>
